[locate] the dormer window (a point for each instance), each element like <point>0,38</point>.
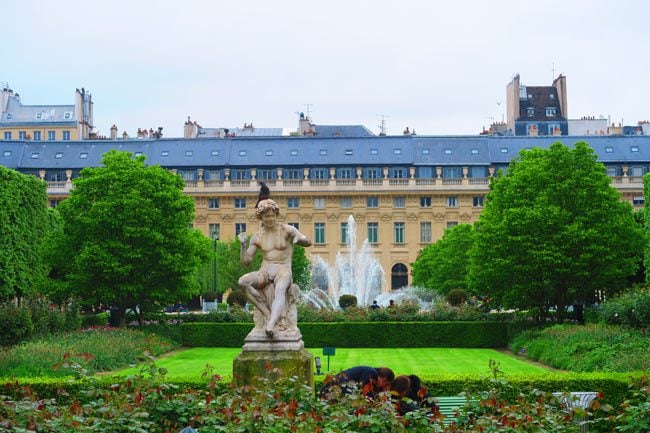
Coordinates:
<point>425,151</point>
<point>503,150</point>
<point>189,152</point>
<point>348,151</point>
<point>447,151</point>
<point>634,148</point>
<point>58,155</point>
<point>550,111</point>
<point>6,153</point>
<point>474,151</point>
<point>268,153</point>
<point>374,151</point>
<point>293,152</point>
<point>323,152</point>
<point>10,116</point>
<point>164,153</point>
<point>83,155</point>
<point>530,112</point>
<point>136,154</point>
<point>215,153</point>
<point>242,153</point>
<point>551,96</point>
<point>397,151</point>
<point>39,115</point>
<point>34,155</point>
<point>67,115</point>
<point>609,149</point>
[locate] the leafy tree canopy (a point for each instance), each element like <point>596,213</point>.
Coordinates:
<point>443,265</point>
<point>554,231</point>
<point>24,223</point>
<point>127,235</point>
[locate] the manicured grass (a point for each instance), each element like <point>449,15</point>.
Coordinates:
<point>421,361</point>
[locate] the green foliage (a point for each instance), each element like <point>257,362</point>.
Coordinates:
<point>346,301</point>
<point>237,298</point>
<point>24,224</point>
<point>35,317</point>
<point>554,230</point>
<point>594,347</point>
<point>361,334</point>
<point>99,319</point>
<point>632,414</point>
<point>456,297</point>
<point>127,239</point>
<point>631,308</point>
<point>443,265</point>
<point>94,349</point>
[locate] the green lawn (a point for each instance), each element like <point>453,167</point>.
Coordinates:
<point>421,361</point>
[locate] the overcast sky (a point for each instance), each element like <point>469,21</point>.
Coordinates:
<point>437,67</point>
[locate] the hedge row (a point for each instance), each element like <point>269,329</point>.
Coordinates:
<point>361,334</point>
<point>613,386</point>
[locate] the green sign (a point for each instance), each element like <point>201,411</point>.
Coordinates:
<point>329,351</point>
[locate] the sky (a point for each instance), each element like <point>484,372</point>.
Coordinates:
<point>440,68</point>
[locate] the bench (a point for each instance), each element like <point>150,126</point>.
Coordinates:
<point>448,406</point>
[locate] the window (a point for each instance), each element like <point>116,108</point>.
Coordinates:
<point>609,149</point>
<point>452,172</point>
<point>398,173</point>
<point>319,233</point>
<point>447,151</point>
<point>66,135</point>
<point>240,174</point>
<point>474,151</point>
<point>372,202</point>
<point>425,201</point>
<point>399,202</point>
<point>425,232</point>
<point>242,153</point>
<point>398,233</point>
<point>634,148</point>
<point>187,175</point>
<point>346,202</point>
<point>319,173</point>
<point>39,115</point>
<point>213,175</point>
<point>189,152</point>
<point>67,115</point>
<point>37,135</point>
<point>348,151</point>
<point>293,152</point>
<point>240,203</point>
<point>83,155</point>
<point>637,171</point>
<point>503,150</point>
<point>397,151</point>
<point>7,135</point>
<point>214,231</point>
<point>451,223</point>
<point>612,171</point>
<point>296,225</point>
<point>345,173</point>
<point>550,111</point>
<point>6,153</point>
<point>214,153</point>
<point>136,154</point>
<point>266,173</point>
<point>9,116</point>
<point>371,173</point>
<point>268,152</point>
<point>452,201</point>
<point>373,233</point>
<point>213,203</point>
<point>344,233</point>
<point>551,96</point>
<point>164,153</point>
<point>319,202</point>
<point>292,173</point>
<point>22,135</point>
<point>374,151</point>
<point>425,151</point>
<point>530,112</point>
<point>293,203</point>
<point>240,228</point>
<point>58,155</point>
<point>323,152</point>
<point>477,200</point>
<point>54,203</point>
<point>638,200</point>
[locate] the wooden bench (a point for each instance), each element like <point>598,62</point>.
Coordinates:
<point>448,405</point>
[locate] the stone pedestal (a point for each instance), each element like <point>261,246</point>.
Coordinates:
<point>272,364</point>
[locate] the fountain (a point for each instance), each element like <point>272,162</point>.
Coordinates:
<point>356,273</point>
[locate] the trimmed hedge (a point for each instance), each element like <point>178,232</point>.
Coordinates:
<point>613,386</point>
<point>361,334</point>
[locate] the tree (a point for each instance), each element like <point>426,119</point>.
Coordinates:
<point>127,236</point>
<point>24,223</point>
<point>554,231</point>
<point>443,265</point>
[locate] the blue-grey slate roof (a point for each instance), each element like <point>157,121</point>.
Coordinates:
<point>19,114</point>
<point>342,131</point>
<point>312,151</point>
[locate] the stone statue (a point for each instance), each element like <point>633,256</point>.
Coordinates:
<point>270,288</point>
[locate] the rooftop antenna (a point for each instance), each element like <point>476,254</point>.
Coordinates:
<point>308,110</point>
<point>553,71</point>
<point>382,125</point>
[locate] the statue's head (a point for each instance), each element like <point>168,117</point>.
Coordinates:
<point>266,205</point>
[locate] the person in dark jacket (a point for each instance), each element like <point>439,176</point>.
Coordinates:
<point>369,380</point>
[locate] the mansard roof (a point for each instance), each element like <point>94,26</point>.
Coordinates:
<point>294,152</point>
<point>539,98</point>
<point>342,131</point>
<point>18,114</point>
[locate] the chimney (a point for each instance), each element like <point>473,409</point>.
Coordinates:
<point>113,132</point>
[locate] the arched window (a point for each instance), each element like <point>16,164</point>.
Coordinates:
<point>399,276</point>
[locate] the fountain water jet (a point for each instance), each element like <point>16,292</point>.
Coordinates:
<point>357,272</point>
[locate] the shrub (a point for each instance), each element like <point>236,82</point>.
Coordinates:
<point>237,297</point>
<point>594,347</point>
<point>90,320</point>
<point>346,301</point>
<point>210,296</point>
<point>16,324</point>
<point>631,308</point>
<point>456,297</point>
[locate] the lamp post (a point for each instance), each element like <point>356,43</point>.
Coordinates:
<point>215,238</point>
